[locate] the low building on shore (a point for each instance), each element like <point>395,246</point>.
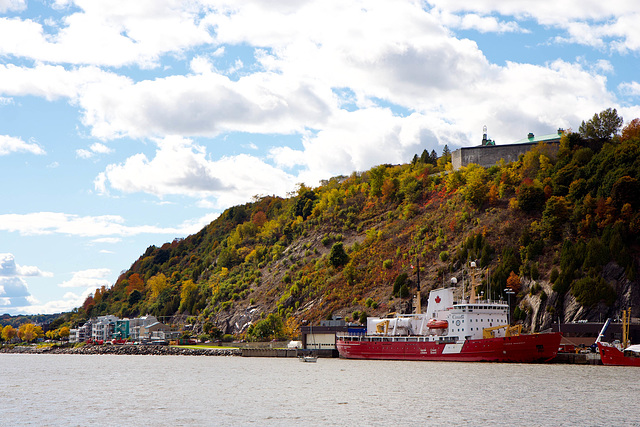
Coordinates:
<point>322,338</point>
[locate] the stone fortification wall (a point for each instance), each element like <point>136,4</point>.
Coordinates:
<point>489,155</point>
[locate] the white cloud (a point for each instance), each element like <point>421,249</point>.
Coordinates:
<point>91,278</point>
<point>8,5</point>
<point>55,81</point>
<point>9,144</point>
<point>95,148</point>
<point>203,104</point>
<point>182,167</point>
<point>47,223</point>
<point>69,301</point>
<point>110,33</point>
<point>9,268</point>
<point>480,23</point>
<point>14,292</point>
<point>630,88</point>
<point>588,22</point>
<point>111,240</point>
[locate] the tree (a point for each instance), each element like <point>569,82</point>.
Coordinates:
<point>157,284</point>
<point>338,257</point>
<point>631,131</point>
<point>434,157</point>
<point>625,190</point>
<point>602,126</point>
<point>135,283</point>
<point>476,190</point>
<point>513,282</point>
<point>64,332</point>
<point>531,196</point>
<point>445,158</point>
<point>267,328</point>
<point>377,175</point>
<point>188,296</point>
<point>9,332</point>
<point>556,213</point>
<point>304,204</point>
<point>134,297</point>
<point>259,218</point>
<point>27,332</point>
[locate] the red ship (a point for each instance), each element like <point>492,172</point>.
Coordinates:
<point>612,355</point>
<point>469,330</point>
<point>619,353</point>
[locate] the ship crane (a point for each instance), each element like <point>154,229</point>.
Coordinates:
<point>509,331</point>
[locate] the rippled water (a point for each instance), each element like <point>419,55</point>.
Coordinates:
<point>180,390</point>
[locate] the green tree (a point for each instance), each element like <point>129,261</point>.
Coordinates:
<point>531,196</point>
<point>476,190</point>
<point>626,190</point>
<point>602,126</point>
<point>555,215</point>
<point>424,158</point>
<point>134,297</point>
<point>265,329</point>
<point>338,257</point>
<point>305,202</point>
<point>377,175</point>
<point>433,157</point>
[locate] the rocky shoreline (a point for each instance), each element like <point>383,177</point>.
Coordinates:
<point>154,350</point>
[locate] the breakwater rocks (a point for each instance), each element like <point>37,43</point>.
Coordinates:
<point>154,350</point>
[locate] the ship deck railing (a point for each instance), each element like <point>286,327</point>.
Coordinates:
<point>394,338</point>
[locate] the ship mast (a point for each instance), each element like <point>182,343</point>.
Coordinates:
<point>473,297</point>
<point>626,317</point>
<point>418,298</point>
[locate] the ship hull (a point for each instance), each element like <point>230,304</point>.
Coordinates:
<point>612,356</point>
<point>520,349</point>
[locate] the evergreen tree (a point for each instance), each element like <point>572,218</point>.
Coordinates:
<point>602,126</point>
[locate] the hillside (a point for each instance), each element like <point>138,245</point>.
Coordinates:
<point>561,230</point>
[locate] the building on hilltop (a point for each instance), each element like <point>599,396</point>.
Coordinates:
<point>489,154</point>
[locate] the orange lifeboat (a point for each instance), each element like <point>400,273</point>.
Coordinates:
<point>437,324</point>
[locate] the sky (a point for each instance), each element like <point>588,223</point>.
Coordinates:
<point>126,124</point>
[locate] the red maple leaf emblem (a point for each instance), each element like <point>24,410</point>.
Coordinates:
<point>438,299</point>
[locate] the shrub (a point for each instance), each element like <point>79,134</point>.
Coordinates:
<point>543,296</point>
<point>591,290</point>
<point>397,284</point>
<point>444,256</point>
<point>363,317</point>
<point>404,291</point>
<point>368,302</point>
<point>387,264</point>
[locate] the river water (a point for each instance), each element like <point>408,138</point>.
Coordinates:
<point>114,390</point>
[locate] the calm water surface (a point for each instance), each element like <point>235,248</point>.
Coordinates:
<point>181,390</point>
